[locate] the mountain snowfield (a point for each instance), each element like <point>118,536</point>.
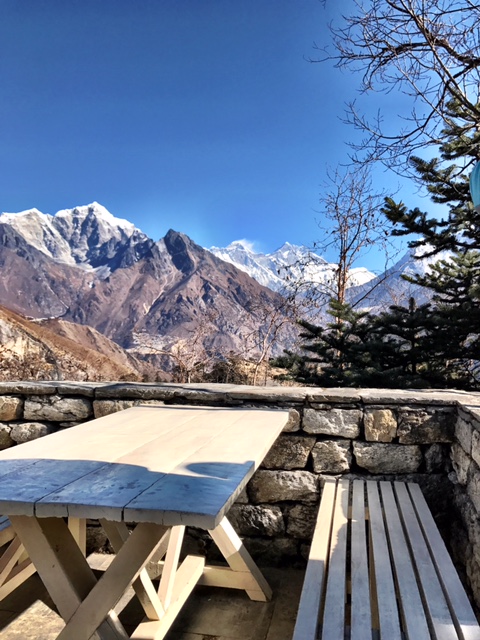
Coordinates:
<point>290,263</point>
<point>91,238</point>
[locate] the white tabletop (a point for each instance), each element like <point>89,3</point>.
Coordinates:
<point>169,465</point>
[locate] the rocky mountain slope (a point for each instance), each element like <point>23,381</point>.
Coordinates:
<point>55,349</point>
<point>87,267</point>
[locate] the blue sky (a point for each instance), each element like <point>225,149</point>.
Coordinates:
<point>199,115</point>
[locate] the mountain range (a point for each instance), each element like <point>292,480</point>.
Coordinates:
<point>168,300</point>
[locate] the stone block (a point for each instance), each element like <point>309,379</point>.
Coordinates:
<point>279,486</point>
<point>106,407</point>
<point>289,452</point>
<point>10,408</point>
<point>272,552</point>
<point>301,521</point>
<point>253,520</point>
<point>5,436</point>
<point>293,423</point>
<point>332,456</point>
<point>344,423</point>
<point>463,434</point>
<point>473,486</point>
<point>27,431</point>
<point>461,463</point>
<point>437,458</point>
<point>387,458</point>
<point>380,425</point>
<point>476,446</point>
<point>57,408</point>
<point>420,426</point>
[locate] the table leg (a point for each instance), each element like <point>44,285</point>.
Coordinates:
<point>63,569</point>
<point>240,562</point>
<point>85,604</point>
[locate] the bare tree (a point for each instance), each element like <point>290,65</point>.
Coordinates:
<point>351,224</point>
<point>428,50</point>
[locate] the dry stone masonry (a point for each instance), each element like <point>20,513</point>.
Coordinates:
<point>432,437</point>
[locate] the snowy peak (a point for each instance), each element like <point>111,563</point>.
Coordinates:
<point>88,236</point>
<point>289,262</point>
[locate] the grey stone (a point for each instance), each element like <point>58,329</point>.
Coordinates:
<point>27,431</point>
<point>341,394</point>
<point>332,456</point>
<point>271,552</point>
<point>5,436</point>
<point>419,426</point>
<point>476,446</point>
<point>10,408</point>
<point>463,434</point>
<point>106,407</point>
<point>253,520</point>
<point>301,521</point>
<point>387,458</point>
<point>142,391</point>
<point>461,463</point>
<point>28,388</point>
<point>57,408</point>
<point>436,458</point>
<point>293,423</point>
<point>277,486</point>
<point>243,497</point>
<point>335,422</point>
<point>380,425</point>
<point>289,452</point>
<point>473,486</point>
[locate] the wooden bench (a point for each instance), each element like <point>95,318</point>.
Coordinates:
<point>378,569</point>
<point>15,565</point>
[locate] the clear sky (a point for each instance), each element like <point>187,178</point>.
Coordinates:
<point>199,115</point>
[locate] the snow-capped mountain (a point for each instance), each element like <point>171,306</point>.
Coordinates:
<point>87,236</point>
<point>86,266</point>
<point>391,288</point>
<point>290,263</point>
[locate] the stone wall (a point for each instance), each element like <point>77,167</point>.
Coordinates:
<point>385,433</point>
<point>465,477</point>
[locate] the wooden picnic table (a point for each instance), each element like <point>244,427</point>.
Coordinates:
<point>160,467</point>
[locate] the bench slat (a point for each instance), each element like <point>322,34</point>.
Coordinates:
<point>464,618</point>
<point>382,570</point>
<point>361,617</point>
<point>403,582</point>
<point>333,624</point>
<point>313,586</point>
<point>436,607</point>
<point>413,614</point>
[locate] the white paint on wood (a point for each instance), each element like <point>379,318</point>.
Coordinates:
<point>361,617</point>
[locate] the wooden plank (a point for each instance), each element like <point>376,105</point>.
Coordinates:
<point>238,559</point>
<point>333,623</point>
<point>124,569</point>
<point>361,617</point>
<point>78,529</point>
<point>460,608</point>
<point>382,570</point>
<point>187,577</point>
<point>167,581</point>
<point>413,614</point>
<point>134,473</point>
<point>118,534</point>
<point>18,575</point>
<point>63,570</point>
<point>207,481</point>
<point>313,585</point>
<point>436,608</point>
